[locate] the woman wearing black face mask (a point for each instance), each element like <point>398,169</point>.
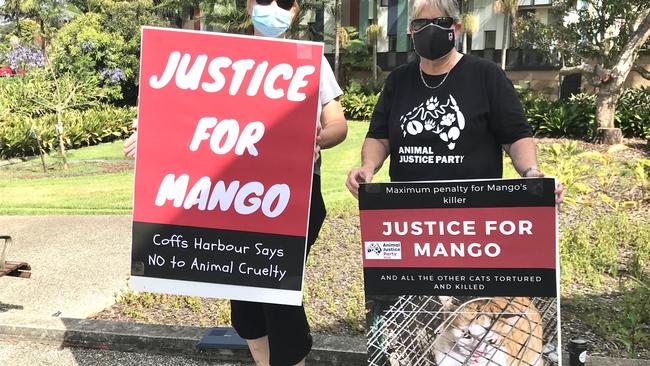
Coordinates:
<point>446,115</point>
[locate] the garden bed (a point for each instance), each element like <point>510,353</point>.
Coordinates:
<point>605,246</point>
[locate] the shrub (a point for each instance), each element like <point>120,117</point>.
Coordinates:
<point>19,57</point>
<point>124,20</point>
<point>22,30</point>
<point>562,118</point>
<point>565,119</point>
<point>633,112</point>
<point>367,87</point>
<point>358,105</point>
<point>83,46</point>
<point>575,117</point>
<point>89,127</point>
<point>535,107</point>
<point>360,98</point>
<point>16,137</point>
<point>591,249</point>
<point>16,94</point>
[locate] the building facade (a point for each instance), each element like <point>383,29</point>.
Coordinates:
<point>526,67</point>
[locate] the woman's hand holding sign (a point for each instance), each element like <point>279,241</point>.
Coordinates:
<point>533,172</point>
<point>130,145</point>
<point>373,154</point>
<point>524,160</point>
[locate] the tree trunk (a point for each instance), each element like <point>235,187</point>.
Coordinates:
<point>59,129</point>
<point>18,27</point>
<point>43,36</point>
<point>41,153</point>
<point>464,42</point>
<point>374,63</point>
<point>337,40</point>
<point>609,136</point>
<point>504,45</point>
<point>34,133</point>
<point>606,132</point>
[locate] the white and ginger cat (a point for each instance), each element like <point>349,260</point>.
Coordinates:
<point>501,331</point>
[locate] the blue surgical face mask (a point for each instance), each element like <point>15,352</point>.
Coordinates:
<point>270,20</point>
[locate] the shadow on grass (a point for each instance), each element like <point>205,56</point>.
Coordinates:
<point>641,145</point>
<point>615,323</point>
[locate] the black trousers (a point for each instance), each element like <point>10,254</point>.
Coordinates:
<point>285,325</point>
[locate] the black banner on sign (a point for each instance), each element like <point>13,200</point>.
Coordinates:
<point>484,193</point>
<point>460,281</point>
<point>217,256</point>
<point>461,272</point>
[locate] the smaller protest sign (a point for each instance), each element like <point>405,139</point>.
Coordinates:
<point>461,272</point>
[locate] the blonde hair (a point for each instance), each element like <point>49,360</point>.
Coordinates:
<point>446,7</point>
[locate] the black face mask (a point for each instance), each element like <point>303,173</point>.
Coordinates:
<point>433,42</point>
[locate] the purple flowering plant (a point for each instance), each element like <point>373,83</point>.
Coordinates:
<point>113,76</point>
<point>24,57</point>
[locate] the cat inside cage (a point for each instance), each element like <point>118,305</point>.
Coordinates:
<point>454,331</point>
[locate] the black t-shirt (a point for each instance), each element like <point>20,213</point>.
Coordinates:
<point>454,131</point>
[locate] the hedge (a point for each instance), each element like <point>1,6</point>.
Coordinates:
<point>93,126</point>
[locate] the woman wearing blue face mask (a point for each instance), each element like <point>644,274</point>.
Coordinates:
<point>279,335</point>
<point>272,18</point>
<point>446,115</point>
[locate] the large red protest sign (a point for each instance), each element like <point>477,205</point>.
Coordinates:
<point>225,157</point>
<point>461,272</point>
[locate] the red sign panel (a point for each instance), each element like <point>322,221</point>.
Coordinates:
<point>464,237</point>
<point>225,143</point>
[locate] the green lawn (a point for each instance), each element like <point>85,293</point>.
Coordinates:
<point>90,194</point>
<point>338,161</point>
<point>100,180</point>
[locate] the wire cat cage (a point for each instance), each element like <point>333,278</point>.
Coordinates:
<point>421,331</point>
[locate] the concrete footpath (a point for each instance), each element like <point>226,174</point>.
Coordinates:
<point>78,265</point>
<point>33,354</point>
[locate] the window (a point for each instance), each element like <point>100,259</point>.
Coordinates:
<point>392,43</point>
<point>526,13</point>
<point>490,39</point>
<point>353,12</point>
<point>384,3</point>
<point>527,3</point>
